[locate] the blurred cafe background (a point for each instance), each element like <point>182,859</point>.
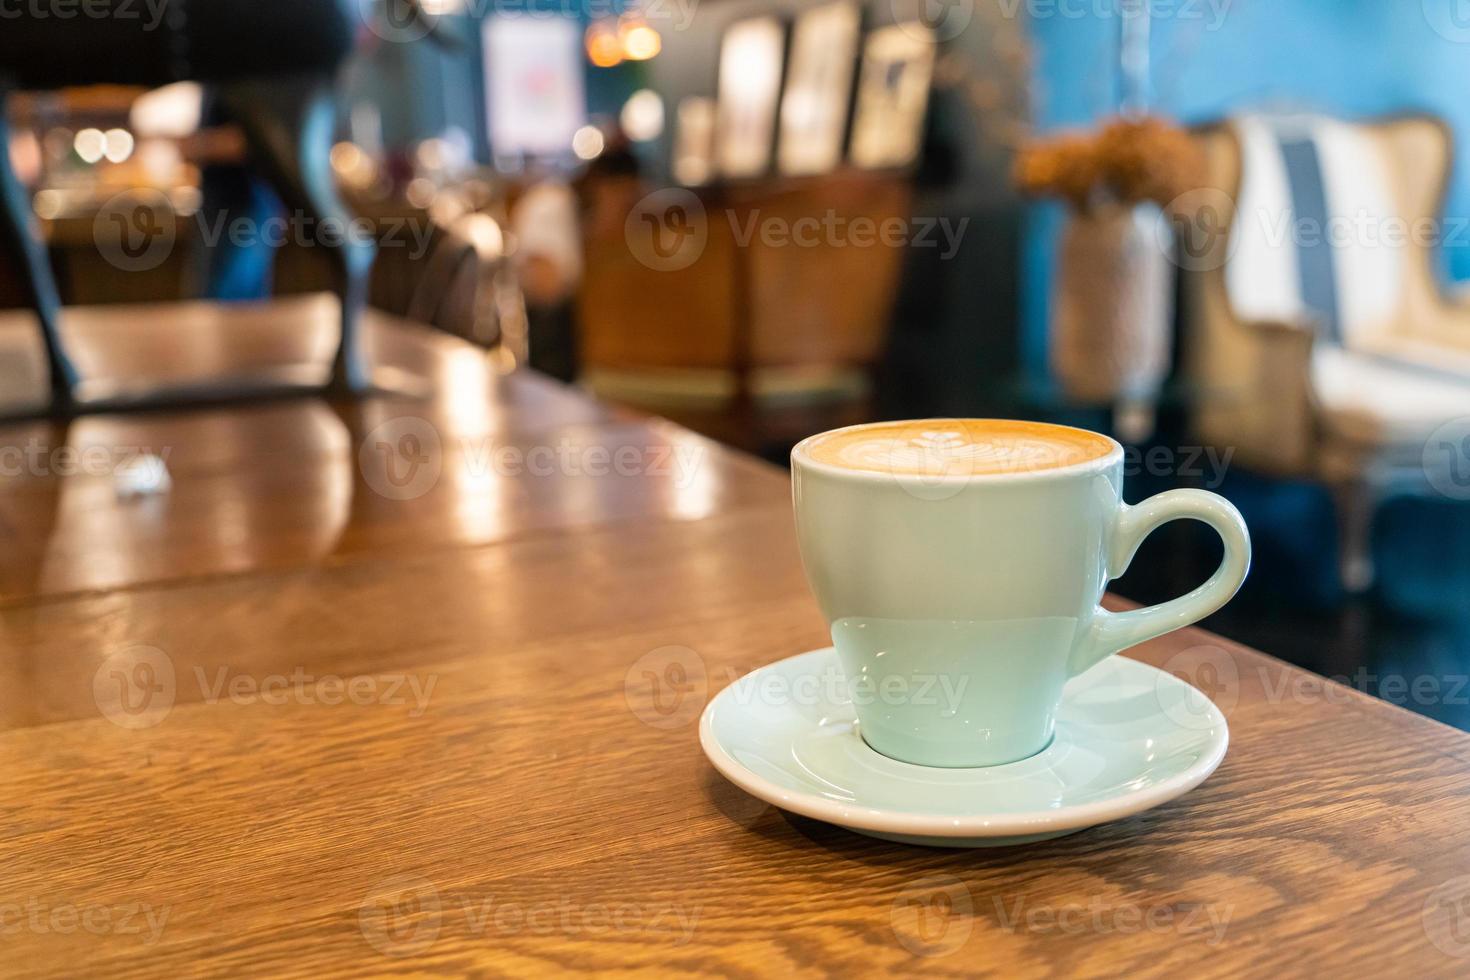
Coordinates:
<point>1230,233</point>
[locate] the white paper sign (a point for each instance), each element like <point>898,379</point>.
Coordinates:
<point>533,84</point>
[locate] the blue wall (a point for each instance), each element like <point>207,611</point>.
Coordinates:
<point>1351,58</point>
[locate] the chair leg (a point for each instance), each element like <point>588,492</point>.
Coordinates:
<point>289,124</point>
<point>1354,502</point>
<point>31,261</point>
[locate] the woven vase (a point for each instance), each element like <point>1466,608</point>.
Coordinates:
<point>1111,334</point>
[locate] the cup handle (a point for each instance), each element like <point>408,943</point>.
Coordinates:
<point>1112,632</point>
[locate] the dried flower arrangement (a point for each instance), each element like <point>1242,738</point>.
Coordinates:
<point>1127,160</point>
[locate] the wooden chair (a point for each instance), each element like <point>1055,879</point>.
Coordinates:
<point>757,341</point>
<point>1322,343</point>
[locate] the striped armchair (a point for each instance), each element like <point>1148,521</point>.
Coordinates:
<point>1321,341</point>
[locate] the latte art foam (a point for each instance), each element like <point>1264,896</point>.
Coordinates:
<point>956,447</point>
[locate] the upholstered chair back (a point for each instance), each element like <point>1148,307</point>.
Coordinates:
<point>1331,231</point>
<point>1311,243</point>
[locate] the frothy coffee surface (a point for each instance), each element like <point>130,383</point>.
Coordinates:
<point>940,447</point>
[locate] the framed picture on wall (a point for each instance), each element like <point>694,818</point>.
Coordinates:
<point>893,94</point>
<point>818,91</point>
<point>751,61</point>
<point>694,140</point>
<point>533,84</point>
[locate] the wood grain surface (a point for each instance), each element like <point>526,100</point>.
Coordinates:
<point>280,722</point>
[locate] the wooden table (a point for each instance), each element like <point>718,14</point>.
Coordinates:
<point>305,716</point>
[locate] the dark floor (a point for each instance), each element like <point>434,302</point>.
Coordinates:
<point>1407,640</point>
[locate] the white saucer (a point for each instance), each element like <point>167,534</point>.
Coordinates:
<point>1128,737</point>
